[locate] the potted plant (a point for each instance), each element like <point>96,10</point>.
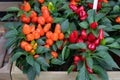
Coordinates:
<point>59,35</point>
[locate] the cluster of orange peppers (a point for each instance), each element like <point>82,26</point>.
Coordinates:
<point>41,26</point>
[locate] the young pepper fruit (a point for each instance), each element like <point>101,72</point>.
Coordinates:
<point>101,34</point>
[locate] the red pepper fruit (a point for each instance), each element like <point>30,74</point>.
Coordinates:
<point>97,42</point>
<point>91,37</point>
<point>81,8</point>
<point>90,71</point>
<point>83,15</point>
<point>93,25</point>
<point>77,59</point>
<point>73,36</point>
<point>79,40</point>
<point>100,0</point>
<point>91,46</point>
<point>73,7</point>
<point>101,34</point>
<point>99,6</point>
<point>83,34</point>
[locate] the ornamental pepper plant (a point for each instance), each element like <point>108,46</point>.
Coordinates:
<point>64,35</point>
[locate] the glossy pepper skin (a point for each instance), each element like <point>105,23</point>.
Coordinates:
<point>83,34</point>
<point>91,37</point>
<point>93,25</point>
<point>73,7</point>
<point>73,36</point>
<point>78,58</point>
<point>91,46</point>
<point>101,34</point>
<point>97,42</point>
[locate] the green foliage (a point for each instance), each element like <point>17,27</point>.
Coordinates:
<point>77,46</point>
<point>57,61</point>
<point>41,49</point>
<point>64,26</point>
<point>7,17</point>
<point>13,9</point>
<point>65,53</point>
<point>84,24</point>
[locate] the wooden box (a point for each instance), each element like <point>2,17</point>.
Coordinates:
<point>5,66</point>
<point>17,74</point>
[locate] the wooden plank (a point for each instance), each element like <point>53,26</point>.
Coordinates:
<point>17,74</point>
<point>5,5</point>
<point>2,50</point>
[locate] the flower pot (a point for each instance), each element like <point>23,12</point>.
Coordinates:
<point>17,74</point>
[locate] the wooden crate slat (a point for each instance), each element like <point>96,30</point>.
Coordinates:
<point>5,5</point>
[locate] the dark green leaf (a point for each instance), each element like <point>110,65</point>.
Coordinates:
<point>41,49</point>
<point>81,74</point>
<point>31,74</point>
<point>116,27</point>
<point>54,47</point>
<point>16,56</point>
<point>89,61</point>
<point>9,25</point>
<point>6,17</point>
<point>63,52</point>
<point>92,77</point>
<point>84,24</point>
<point>115,51</point>
<point>20,13</point>
<point>44,67</point>
<point>70,69</point>
<point>57,61</point>
<point>11,33</point>
<point>116,8</point>
<point>13,9</point>
<point>42,61</point>
<point>10,42</point>
<point>40,42</point>
<point>102,48</point>
<point>91,14</point>
<point>59,43</point>
<point>28,14</point>
<point>107,58</point>
<point>37,67</point>
<point>101,72</point>
<point>64,26</point>
<point>114,45</point>
<point>30,60</point>
<point>77,46</point>
<point>109,40</point>
<point>58,20</point>
<point>99,16</point>
<point>101,26</point>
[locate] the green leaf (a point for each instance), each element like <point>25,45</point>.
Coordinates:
<point>70,69</point>
<point>114,45</point>
<point>40,42</point>
<point>101,26</point>
<point>6,17</point>
<point>109,40</point>
<point>58,19</point>
<point>102,48</point>
<point>64,26</point>
<point>89,61</point>
<point>116,27</point>
<point>42,61</point>
<point>31,74</point>
<point>28,14</point>
<point>11,33</point>
<point>107,58</point>
<point>30,60</point>
<point>99,16</point>
<point>9,25</point>
<point>59,43</point>
<point>115,51</point>
<point>16,56</point>
<point>65,53</point>
<point>54,47</point>
<point>81,74</point>
<point>77,46</point>
<point>57,61</point>
<point>10,42</point>
<point>41,49</point>
<point>91,14</point>
<point>37,68</point>
<point>116,8</point>
<point>92,77</point>
<point>20,13</point>
<point>101,72</point>
<point>13,9</point>
<point>84,24</point>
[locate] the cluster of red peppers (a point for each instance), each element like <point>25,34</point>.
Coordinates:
<point>89,39</point>
<point>79,11</point>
